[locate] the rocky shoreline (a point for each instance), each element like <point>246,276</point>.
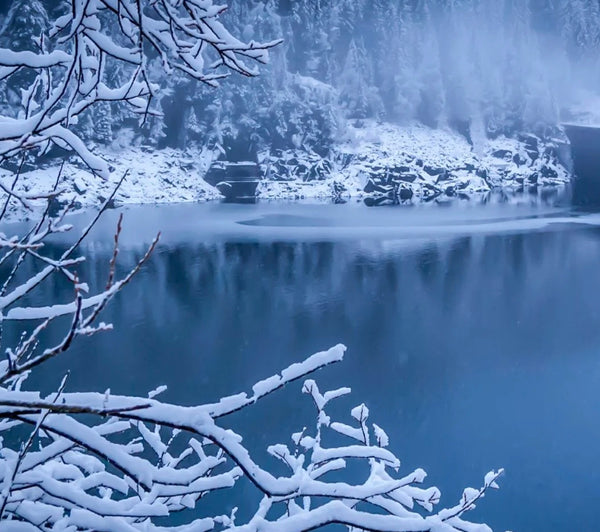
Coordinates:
<point>416,163</point>
<point>381,163</point>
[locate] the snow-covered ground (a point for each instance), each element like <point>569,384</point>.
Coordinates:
<point>422,163</point>
<point>583,110</point>
<point>153,176</point>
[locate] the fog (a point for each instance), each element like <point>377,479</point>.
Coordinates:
<point>507,63</point>
<point>483,67</point>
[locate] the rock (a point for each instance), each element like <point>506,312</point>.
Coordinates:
<point>110,205</point>
<point>548,172</point>
<point>408,178</point>
<point>370,187</point>
<point>518,160</point>
<point>502,154</point>
<point>300,170</point>
<point>432,171</point>
<point>338,189</point>
<point>345,159</point>
<point>444,176</point>
<point>534,155</point>
<point>529,140</point>
<point>431,190</point>
<point>79,187</point>
<point>405,193</point>
<point>315,174</point>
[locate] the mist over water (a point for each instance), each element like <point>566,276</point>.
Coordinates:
<point>482,67</point>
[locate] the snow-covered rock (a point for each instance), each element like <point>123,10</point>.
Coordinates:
<point>413,163</point>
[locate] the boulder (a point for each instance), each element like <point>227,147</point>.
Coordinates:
<point>502,154</point>
<point>408,178</point>
<point>432,170</point>
<point>548,172</point>
<point>405,193</point>
<point>518,159</point>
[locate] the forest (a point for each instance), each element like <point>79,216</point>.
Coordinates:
<point>477,66</point>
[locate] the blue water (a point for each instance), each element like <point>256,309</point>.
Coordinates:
<point>473,335</point>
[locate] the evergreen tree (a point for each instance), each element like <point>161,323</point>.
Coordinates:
<point>25,23</point>
<point>496,61</point>
<point>23,28</point>
<point>357,95</point>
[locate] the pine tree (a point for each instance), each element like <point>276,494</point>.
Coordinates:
<point>22,29</point>
<point>357,95</point>
<point>25,22</point>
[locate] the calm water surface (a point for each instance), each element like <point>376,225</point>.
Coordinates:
<point>473,334</point>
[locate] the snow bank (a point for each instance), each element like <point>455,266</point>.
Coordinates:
<point>153,176</point>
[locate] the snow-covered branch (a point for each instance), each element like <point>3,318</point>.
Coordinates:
<point>102,475</point>
<point>75,63</point>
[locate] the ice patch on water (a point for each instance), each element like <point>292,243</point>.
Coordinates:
<point>292,222</point>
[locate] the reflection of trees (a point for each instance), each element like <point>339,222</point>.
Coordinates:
<point>429,326</point>
<point>227,303</point>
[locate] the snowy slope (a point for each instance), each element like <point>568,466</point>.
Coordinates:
<point>153,176</point>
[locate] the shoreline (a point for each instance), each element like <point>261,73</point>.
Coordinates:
<point>420,163</point>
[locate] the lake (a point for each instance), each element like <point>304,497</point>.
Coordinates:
<point>473,333</point>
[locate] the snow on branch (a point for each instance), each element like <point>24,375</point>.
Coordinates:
<point>143,459</point>
<point>75,63</point>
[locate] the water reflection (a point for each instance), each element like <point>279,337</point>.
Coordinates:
<point>473,352</point>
